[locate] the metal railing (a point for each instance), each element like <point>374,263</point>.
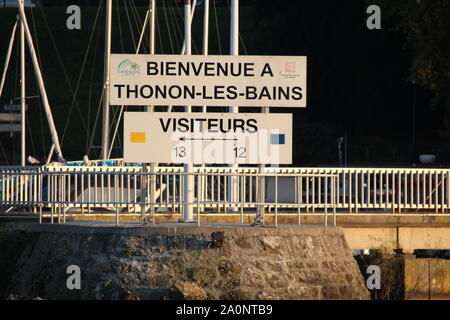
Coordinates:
<point>356,190</point>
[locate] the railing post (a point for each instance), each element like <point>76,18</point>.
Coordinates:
<point>334,197</point>
<point>242,200</point>
<point>153,192</point>
<point>325,209</point>
<point>260,199</point>
<point>298,195</point>
<point>198,197</point>
<point>143,192</point>
<point>117,214</point>
<point>276,201</point>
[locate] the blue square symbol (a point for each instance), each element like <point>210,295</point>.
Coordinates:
<point>277,139</point>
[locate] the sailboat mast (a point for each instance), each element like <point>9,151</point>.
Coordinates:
<point>38,73</point>
<point>152,26</point>
<point>234,51</point>
<point>22,93</point>
<point>105,133</point>
<point>152,35</point>
<point>234,36</point>
<point>188,194</point>
<point>205,34</point>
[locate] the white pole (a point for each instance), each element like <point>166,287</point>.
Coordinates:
<point>205,34</point>
<point>105,133</point>
<point>152,36</point>
<point>234,51</point>
<point>8,56</point>
<point>188,192</point>
<point>22,94</point>
<point>142,32</point>
<point>152,26</point>
<point>37,70</point>
<point>194,3</point>
<point>234,36</point>
<point>49,157</point>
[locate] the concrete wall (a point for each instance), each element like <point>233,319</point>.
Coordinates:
<point>406,238</point>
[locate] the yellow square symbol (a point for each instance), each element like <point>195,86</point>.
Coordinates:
<point>137,137</point>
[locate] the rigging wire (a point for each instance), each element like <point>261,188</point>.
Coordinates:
<point>121,107</point>
<point>217,27</point>
<point>4,153</point>
<point>158,28</point>
<point>91,80</point>
<point>96,120</point>
<point>168,31</point>
<point>129,23</point>
<point>138,21</point>
<point>81,73</point>
<point>182,18</point>
<point>74,93</point>
<point>175,25</point>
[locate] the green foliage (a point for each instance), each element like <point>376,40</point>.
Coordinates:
<point>426,26</point>
<point>392,274</point>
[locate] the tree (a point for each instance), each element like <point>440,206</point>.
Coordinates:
<point>426,26</point>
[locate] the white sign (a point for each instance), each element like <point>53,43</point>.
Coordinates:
<point>231,138</point>
<point>10,116</point>
<point>10,127</point>
<point>14,107</point>
<point>254,81</point>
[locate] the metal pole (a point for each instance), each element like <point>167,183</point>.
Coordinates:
<point>205,34</point>
<point>276,201</point>
<point>37,70</point>
<point>152,26</point>
<point>234,51</point>
<point>206,28</point>
<point>234,36</point>
<point>105,133</point>
<point>8,56</point>
<point>142,32</point>
<point>152,35</point>
<point>188,190</point>
<point>194,3</point>
<point>49,157</point>
<point>22,94</point>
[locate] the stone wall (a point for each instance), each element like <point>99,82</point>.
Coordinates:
<point>188,263</point>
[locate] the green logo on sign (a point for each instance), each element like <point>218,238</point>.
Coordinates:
<point>127,67</point>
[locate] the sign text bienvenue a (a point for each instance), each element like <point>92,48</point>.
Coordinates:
<point>275,81</point>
